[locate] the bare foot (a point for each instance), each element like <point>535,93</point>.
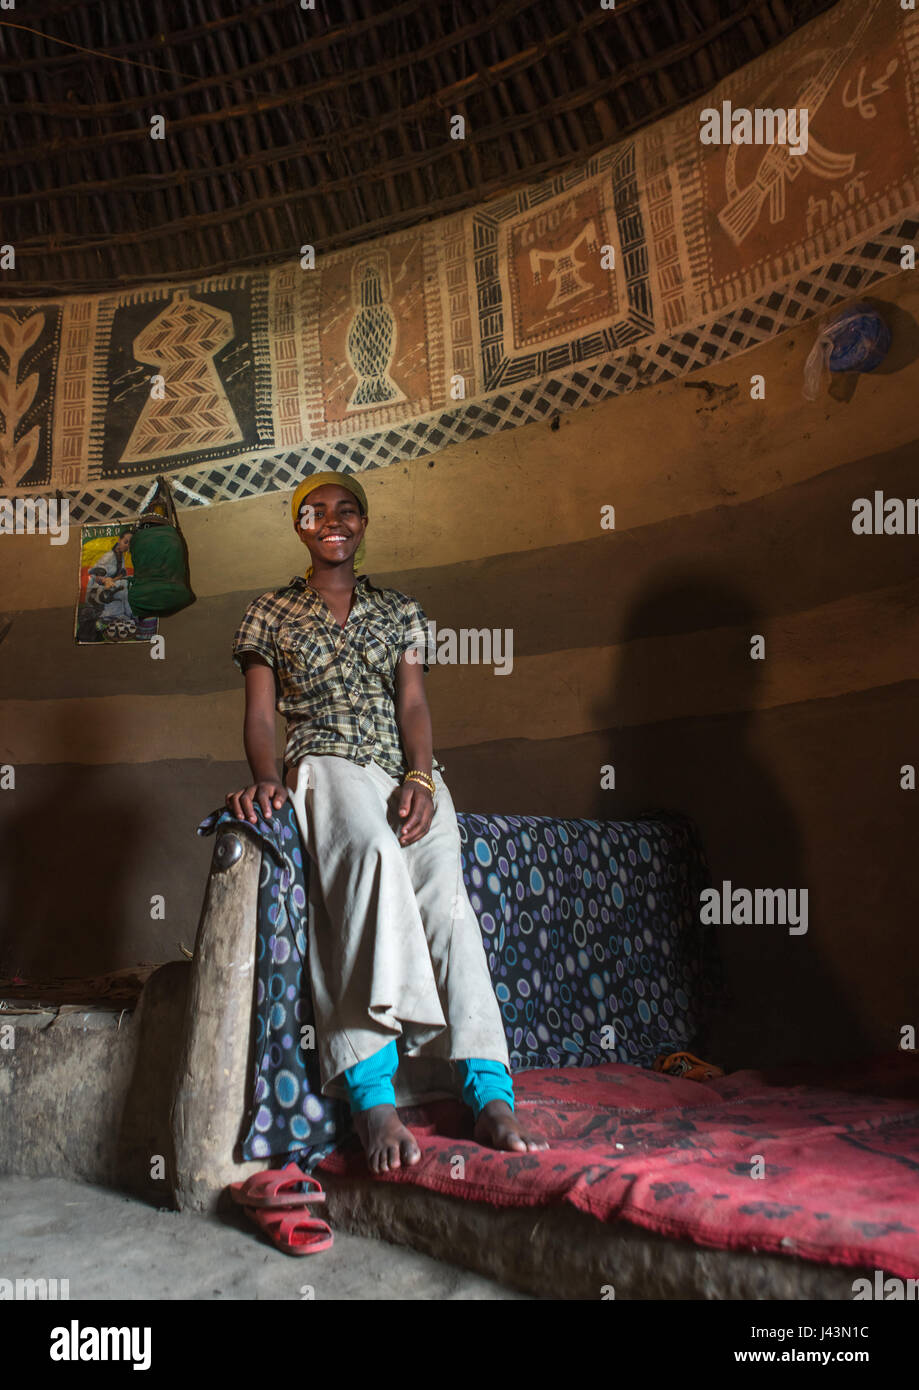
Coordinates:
<point>387,1143</point>
<point>499,1127</point>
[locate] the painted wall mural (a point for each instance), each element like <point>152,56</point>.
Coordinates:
<point>493,317</point>
<point>210,348</point>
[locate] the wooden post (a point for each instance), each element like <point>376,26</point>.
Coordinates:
<point>213,1077</point>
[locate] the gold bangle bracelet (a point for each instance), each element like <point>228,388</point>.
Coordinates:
<point>423,780</point>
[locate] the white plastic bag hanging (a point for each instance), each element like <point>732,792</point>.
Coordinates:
<point>856,339</point>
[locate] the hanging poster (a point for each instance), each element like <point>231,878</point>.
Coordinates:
<point>103,611</point>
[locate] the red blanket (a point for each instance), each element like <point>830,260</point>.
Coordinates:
<point>838,1150</point>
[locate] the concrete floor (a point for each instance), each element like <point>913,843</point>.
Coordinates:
<point>109,1245</point>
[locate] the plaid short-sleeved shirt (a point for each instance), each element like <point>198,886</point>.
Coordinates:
<point>335,686</point>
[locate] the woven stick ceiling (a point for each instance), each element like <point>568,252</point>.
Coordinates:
<point>286,126</point>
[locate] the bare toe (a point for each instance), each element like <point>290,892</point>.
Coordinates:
<point>387,1143</point>
<point>498,1127</point>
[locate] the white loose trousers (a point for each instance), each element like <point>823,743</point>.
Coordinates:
<point>395,950</point>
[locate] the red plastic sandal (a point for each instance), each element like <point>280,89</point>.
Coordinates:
<point>278,1188</point>
<point>293,1231</point>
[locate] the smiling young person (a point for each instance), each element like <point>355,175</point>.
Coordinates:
<point>396,951</point>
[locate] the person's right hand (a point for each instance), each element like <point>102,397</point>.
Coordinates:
<point>264,792</point>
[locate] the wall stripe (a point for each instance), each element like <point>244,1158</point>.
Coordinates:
<point>791,550</point>
<point>863,641</point>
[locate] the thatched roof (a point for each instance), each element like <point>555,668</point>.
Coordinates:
<point>286,126</point>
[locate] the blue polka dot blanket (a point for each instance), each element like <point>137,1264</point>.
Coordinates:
<point>593,939</point>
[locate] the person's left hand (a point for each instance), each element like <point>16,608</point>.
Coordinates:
<point>416,810</point>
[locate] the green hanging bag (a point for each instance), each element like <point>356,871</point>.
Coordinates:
<point>160,584</point>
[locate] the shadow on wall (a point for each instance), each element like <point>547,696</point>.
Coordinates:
<point>71,854</point>
<point>785,1003</point>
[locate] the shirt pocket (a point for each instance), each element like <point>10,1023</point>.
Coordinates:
<point>379,647</point>
<point>304,656</point>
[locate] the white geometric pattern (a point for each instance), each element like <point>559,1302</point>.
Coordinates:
<point>647,362</point>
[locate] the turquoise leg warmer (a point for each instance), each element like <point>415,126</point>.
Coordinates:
<point>370,1082</point>
<point>485,1081</point>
